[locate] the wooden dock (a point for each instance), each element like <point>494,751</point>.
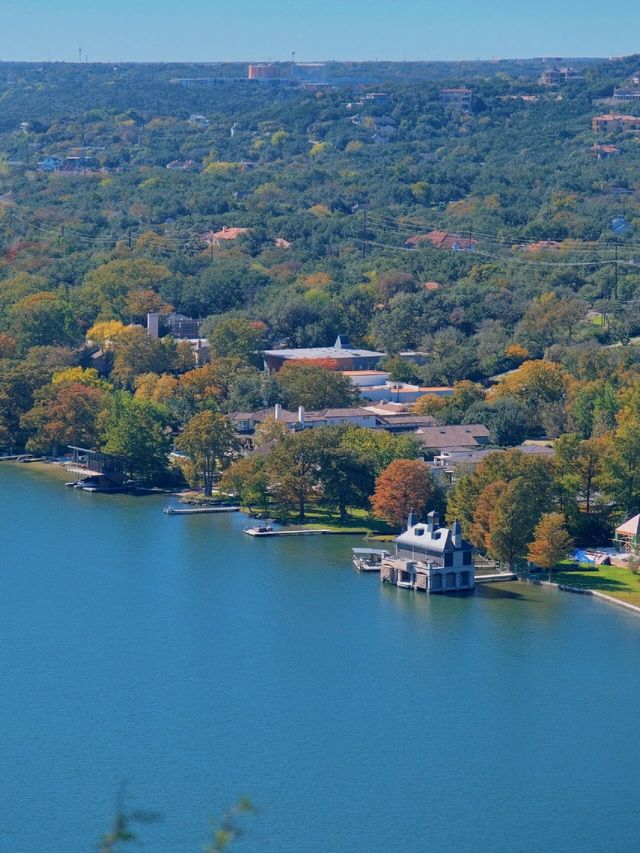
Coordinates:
<point>199,510</point>
<point>499,577</point>
<point>255,531</point>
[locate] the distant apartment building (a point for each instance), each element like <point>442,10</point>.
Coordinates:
<point>310,72</point>
<point>264,71</point>
<point>459,96</point>
<point>626,94</point>
<point>612,122</point>
<point>559,76</point>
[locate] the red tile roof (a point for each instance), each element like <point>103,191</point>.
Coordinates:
<point>441,240</point>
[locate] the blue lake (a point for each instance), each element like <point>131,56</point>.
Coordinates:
<point>199,665</point>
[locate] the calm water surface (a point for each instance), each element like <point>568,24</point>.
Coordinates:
<point>199,664</point>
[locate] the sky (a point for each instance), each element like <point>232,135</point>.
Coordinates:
<point>218,30</point>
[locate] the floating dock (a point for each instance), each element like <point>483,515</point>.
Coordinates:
<point>258,531</point>
<point>499,577</point>
<point>199,510</point>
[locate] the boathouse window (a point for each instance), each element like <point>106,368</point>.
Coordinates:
<point>418,531</point>
<point>465,578</point>
<point>467,558</point>
<point>448,559</point>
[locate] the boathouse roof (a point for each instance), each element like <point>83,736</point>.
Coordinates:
<point>429,537</point>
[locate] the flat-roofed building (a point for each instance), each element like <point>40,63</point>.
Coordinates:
<point>342,353</point>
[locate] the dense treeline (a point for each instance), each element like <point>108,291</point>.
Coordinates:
<point>328,184</point>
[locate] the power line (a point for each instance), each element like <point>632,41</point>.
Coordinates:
<point>410,226</point>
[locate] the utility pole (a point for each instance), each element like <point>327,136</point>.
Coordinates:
<point>364,235</point>
<point>615,274</point>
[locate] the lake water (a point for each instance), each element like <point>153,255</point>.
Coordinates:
<point>199,664</point>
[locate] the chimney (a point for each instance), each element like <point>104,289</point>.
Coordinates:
<point>153,324</point>
<point>411,519</point>
<point>301,415</point>
<point>456,530</point>
<point>277,411</point>
<point>433,521</point>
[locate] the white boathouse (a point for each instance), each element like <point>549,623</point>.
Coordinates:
<point>431,558</point>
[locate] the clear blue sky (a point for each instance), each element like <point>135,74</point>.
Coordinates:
<point>212,30</point>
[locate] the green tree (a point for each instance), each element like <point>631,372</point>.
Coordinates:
<point>234,336</point>
<point>43,319</point>
<point>535,471</point>
<point>248,478</point>
<point>313,387</point>
<point>539,386</point>
<point>209,441</point>
<point>620,480</point>
<point>66,413</point>
<point>293,470</point>
<point>378,448</point>
<point>136,353</point>
<point>138,431</point>
<point>107,286</point>
<point>516,511</point>
<point>344,476</point>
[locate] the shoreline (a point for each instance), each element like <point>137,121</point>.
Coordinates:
<point>594,593</point>
<point>57,468</point>
<point>41,465</point>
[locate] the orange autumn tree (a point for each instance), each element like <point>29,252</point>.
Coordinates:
<point>552,542</point>
<point>405,484</point>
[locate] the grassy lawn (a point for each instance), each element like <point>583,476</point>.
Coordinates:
<point>359,521</point>
<point>614,581</point>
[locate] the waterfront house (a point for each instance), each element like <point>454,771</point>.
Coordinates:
<point>430,558</point>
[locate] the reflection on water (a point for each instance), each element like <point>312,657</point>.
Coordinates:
<point>201,664</point>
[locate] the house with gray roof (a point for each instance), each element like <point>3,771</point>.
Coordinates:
<point>431,558</point>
